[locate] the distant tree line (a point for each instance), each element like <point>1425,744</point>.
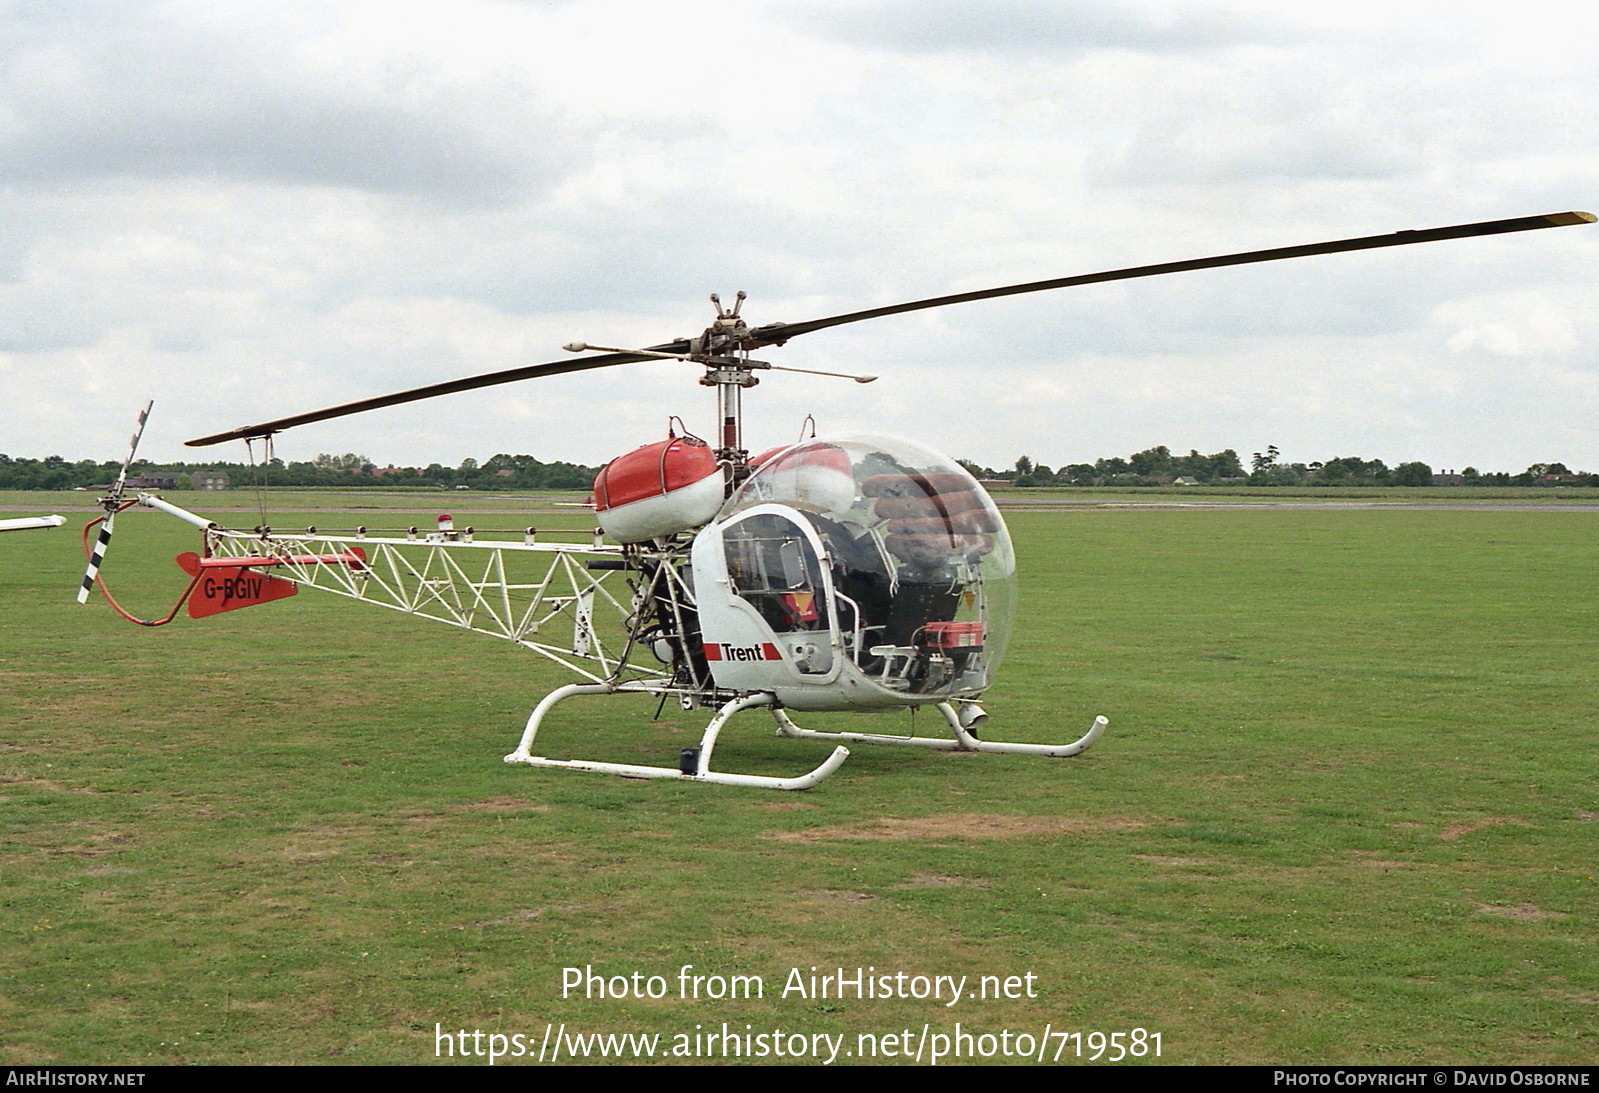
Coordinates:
<point>348,471</point>
<point>1158,466</point>
<point>1150,467</point>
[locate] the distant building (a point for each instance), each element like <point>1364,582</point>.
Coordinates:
<point>144,482</point>
<point>208,480</point>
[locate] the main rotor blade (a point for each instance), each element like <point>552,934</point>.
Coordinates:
<point>470,383</point>
<point>778,333</point>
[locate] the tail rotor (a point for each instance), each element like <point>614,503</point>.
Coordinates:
<point>113,504</point>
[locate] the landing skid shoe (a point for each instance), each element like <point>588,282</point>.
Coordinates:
<point>696,761</point>
<point>960,723</point>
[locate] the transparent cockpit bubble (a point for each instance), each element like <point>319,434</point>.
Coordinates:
<point>917,549</point>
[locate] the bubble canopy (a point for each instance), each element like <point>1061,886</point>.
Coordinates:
<point>918,557</point>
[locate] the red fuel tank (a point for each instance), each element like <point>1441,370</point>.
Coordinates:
<point>658,490</point>
<point>812,474</point>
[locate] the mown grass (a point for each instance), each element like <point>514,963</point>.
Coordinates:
<point>1345,813</point>
<point>1395,495</point>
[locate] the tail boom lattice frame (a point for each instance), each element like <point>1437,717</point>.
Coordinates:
<point>474,585</point>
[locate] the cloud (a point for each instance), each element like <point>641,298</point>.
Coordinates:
<point>1039,28</point>
<point>247,209</point>
<point>246,92</point>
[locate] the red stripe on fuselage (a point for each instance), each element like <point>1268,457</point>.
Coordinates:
<point>719,650</point>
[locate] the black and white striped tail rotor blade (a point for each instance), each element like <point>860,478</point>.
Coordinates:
<point>133,446</point>
<point>96,556</point>
<point>112,501</point>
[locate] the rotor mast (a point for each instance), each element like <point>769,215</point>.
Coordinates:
<point>724,349</point>
<point>729,373</point>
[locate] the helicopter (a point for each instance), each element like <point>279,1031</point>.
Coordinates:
<point>23,523</point>
<point>846,573</point>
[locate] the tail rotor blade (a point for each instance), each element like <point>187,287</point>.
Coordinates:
<point>112,503</point>
<point>133,446</point>
<point>96,556</point>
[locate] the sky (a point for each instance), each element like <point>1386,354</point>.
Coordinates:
<point>244,210</point>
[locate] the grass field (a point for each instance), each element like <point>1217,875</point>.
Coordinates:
<point>1345,813</point>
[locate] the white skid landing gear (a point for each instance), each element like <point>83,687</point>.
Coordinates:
<point>959,721</point>
<point>697,761</point>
